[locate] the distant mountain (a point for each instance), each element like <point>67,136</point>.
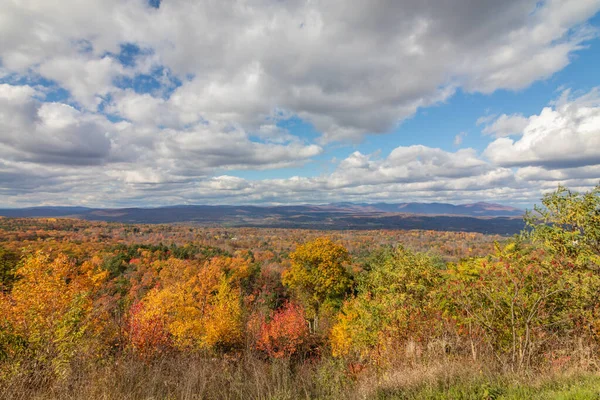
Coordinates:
<point>43,211</point>
<point>477,217</point>
<point>480,209</point>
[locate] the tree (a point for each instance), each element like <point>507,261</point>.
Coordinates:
<point>8,267</point>
<point>285,333</point>
<point>568,224</point>
<point>318,275</point>
<point>521,302</point>
<point>147,331</point>
<point>394,304</point>
<point>50,305</point>
<point>197,307</point>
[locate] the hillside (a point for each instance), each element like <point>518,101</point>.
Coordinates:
<point>479,217</point>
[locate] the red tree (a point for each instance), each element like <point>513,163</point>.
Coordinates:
<point>285,333</point>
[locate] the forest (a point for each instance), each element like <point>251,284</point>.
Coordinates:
<point>106,310</point>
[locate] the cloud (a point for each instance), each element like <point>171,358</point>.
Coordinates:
<point>206,147</point>
<point>165,105</point>
<point>458,139</point>
<point>342,69</point>
<point>412,173</point>
<point>88,80</point>
<point>408,173</point>
<point>505,125</point>
<point>49,132</point>
<point>565,135</point>
<point>56,133</point>
<point>589,175</point>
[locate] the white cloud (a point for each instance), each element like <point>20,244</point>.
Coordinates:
<point>506,125</point>
<point>347,70</point>
<point>244,66</point>
<point>56,133</point>
<point>566,176</point>
<point>48,132</point>
<point>88,80</point>
<point>414,173</point>
<point>565,135</point>
<point>142,109</point>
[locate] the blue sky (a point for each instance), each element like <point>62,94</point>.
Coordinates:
<point>121,103</point>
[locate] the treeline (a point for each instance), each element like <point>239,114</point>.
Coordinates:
<point>314,322</point>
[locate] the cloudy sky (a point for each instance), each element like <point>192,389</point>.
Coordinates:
<point>134,102</point>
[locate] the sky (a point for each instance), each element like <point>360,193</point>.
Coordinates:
<point>119,103</point>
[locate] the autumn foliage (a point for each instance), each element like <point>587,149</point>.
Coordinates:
<point>318,275</point>
<point>146,331</point>
<point>75,294</point>
<point>285,333</point>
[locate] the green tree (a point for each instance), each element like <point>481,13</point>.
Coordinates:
<point>394,304</point>
<point>568,224</point>
<point>520,303</point>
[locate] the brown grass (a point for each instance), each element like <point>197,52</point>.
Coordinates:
<point>194,377</point>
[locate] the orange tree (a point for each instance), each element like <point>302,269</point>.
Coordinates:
<point>285,334</point>
<point>197,307</point>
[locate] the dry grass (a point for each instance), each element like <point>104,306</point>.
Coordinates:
<point>186,377</point>
<point>183,378</point>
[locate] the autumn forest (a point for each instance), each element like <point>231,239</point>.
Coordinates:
<point>112,310</point>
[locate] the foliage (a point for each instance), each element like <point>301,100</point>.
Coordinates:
<point>198,306</point>
<point>341,309</point>
<point>522,301</point>
<point>318,274</point>
<point>568,224</point>
<point>8,267</point>
<point>49,307</point>
<point>147,333</point>
<point>394,304</point>
<point>285,333</point>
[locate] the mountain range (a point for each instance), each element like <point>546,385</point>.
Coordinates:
<point>477,217</point>
<point>480,209</point>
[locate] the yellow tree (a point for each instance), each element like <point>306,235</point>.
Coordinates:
<point>318,275</point>
<point>199,306</point>
<point>49,305</point>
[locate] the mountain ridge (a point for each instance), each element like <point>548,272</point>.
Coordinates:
<point>484,218</point>
<point>434,208</point>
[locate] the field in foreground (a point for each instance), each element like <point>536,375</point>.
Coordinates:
<point>104,310</point>
<point>186,378</point>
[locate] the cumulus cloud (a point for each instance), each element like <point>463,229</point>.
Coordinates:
<point>343,69</point>
<point>88,80</point>
<point>214,146</point>
<point>225,74</point>
<point>589,175</point>
<point>48,132</point>
<point>56,133</point>
<point>414,172</point>
<point>505,125</point>
<point>565,135</point>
